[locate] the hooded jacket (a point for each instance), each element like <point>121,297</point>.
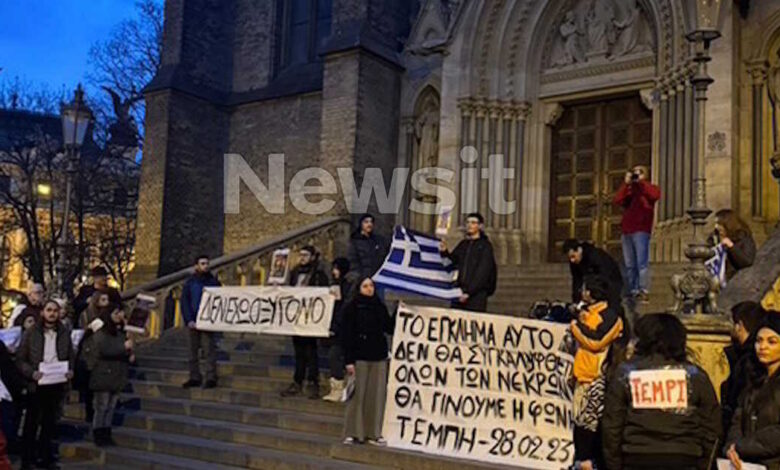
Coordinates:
<point>598,327</point>
<point>629,432</point>
<point>112,364</point>
<point>192,292</point>
<point>366,253</point>
<point>638,200</point>
<point>476,265</point>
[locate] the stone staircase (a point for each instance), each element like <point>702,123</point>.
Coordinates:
<point>243,423</point>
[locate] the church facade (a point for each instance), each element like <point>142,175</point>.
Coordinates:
<point>566,95</point>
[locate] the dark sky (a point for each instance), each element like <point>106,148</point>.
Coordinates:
<point>47,41</point>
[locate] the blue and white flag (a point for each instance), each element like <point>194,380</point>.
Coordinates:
<point>717,264</point>
<point>415,265</point>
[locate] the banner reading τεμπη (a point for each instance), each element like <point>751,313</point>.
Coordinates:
<point>278,310</point>
<point>478,386</point>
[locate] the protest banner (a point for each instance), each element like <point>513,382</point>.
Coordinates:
<point>139,316</point>
<point>478,386</point>
<point>278,310</point>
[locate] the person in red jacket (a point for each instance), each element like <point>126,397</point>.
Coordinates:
<point>637,196</point>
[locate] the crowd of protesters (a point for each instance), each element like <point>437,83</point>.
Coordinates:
<point>609,431</point>
<point>97,367</point>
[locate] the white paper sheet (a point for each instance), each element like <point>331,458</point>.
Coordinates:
<point>53,372</point>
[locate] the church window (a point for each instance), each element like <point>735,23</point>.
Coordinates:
<point>306,25</point>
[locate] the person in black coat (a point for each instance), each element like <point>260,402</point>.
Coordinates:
<point>741,355</point>
<point>588,260</point>
<point>367,250</point>
<point>99,284</point>
<point>650,427</point>
<point>476,264</point>
<point>341,287</point>
<point>365,324</point>
<point>308,273</point>
<point>755,430</point>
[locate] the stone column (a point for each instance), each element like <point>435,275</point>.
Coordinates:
<point>466,118</point>
<point>407,126</point>
<point>679,209</point>
<point>690,143</point>
<point>662,146</point>
<point>671,136</point>
<point>758,74</point>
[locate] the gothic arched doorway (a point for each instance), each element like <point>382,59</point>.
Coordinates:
<point>594,144</point>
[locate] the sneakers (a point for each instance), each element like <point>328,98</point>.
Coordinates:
<point>210,384</point>
<point>348,441</point>
<point>293,390</point>
<point>336,390</point>
<point>313,391</point>
<point>379,442</point>
<point>191,383</point>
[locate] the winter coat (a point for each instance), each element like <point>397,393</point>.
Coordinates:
<point>476,265</point>
<point>338,307</point>
<point>632,433</point>
<point>10,374</point>
<point>755,429</point>
<point>111,364</point>
<point>598,327</point>
<point>366,254</point>
<point>30,353</point>
<point>596,262</point>
<point>638,201</point>
<point>81,302</point>
<point>366,322</point>
<point>192,292</point>
<point>743,367</point>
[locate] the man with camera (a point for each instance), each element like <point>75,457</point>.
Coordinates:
<point>637,196</point>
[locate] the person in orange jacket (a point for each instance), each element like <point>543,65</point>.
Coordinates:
<point>597,328</point>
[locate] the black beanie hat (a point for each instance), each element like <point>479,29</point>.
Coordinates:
<point>310,249</point>
<point>772,321</point>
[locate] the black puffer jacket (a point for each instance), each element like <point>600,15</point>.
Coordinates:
<point>476,265</point>
<point>755,429</point>
<point>743,368</point>
<point>630,433</point>
<point>365,324</point>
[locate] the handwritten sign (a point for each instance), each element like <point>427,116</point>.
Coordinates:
<point>278,310</point>
<point>479,386</point>
<point>53,372</point>
<point>660,389</point>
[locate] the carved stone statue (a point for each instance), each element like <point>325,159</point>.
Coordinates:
<point>629,30</point>
<point>601,29</point>
<point>570,33</point>
<point>426,134</point>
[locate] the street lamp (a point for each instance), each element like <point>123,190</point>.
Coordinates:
<point>76,118</point>
<point>695,289</point>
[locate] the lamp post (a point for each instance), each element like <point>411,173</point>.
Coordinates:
<point>76,117</point>
<point>696,290</point>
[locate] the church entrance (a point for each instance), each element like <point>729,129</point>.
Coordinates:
<point>593,145</point>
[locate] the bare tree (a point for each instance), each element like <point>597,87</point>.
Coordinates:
<point>19,93</point>
<point>127,61</point>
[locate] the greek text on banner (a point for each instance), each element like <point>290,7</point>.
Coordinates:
<point>477,386</point>
<point>279,310</point>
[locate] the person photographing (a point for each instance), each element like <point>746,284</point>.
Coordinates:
<point>637,197</point>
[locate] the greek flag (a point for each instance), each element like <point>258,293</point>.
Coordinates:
<point>717,264</point>
<point>415,265</point>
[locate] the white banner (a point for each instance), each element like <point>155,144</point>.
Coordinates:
<point>278,310</point>
<point>479,386</point>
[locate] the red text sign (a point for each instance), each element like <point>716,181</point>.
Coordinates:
<point>659,389</point>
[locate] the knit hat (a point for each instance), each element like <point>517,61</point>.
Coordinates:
<point>772,321</point>
<point>310,249</point>
<point>342,264</point>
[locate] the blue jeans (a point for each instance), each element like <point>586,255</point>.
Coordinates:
<point>636,255</point>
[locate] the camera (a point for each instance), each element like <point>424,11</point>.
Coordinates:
<point>635,176</point>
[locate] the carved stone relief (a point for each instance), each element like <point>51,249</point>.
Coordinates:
<point>595,32</point>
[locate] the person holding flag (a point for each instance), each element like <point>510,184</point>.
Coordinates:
<point>476,265</point>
